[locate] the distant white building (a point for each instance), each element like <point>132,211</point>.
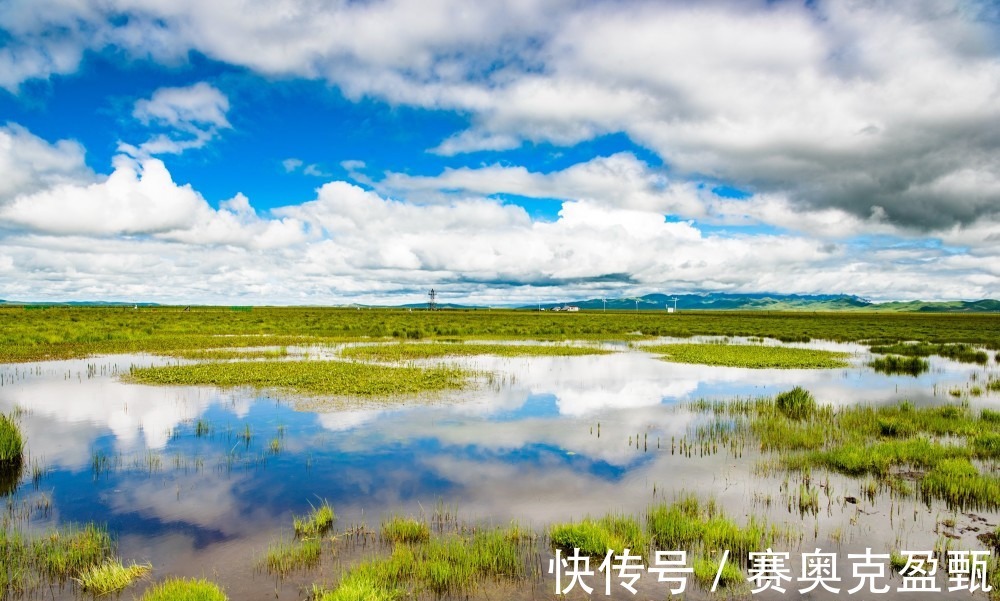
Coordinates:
<point>570,308</point>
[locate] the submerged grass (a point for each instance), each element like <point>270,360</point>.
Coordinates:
<point>316,522</point>
<point>749,355</point>
<point>111,576</point>
<point>405,351</point>
<point>311,377</point>
<point>184,589</point>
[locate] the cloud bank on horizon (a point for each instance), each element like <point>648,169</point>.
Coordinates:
<point>299,151</point>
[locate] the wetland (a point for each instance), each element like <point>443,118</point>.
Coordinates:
<point>376,454</point>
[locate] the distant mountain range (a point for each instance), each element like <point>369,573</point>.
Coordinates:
<point>773,302</point>
<point>690,302</point>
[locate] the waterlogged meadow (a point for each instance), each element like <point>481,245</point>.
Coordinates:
<point>367,454</point>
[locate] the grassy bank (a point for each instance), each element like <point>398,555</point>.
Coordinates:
<point>749,355</point>
<point>67,332</point>
<point>311,377</point>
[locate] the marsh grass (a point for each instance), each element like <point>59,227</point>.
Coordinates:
<point>316,522</point>
<point>53,557</point>
<point>703,528</point>
<point>310,377</point>
<point>796,404</point>
<point>705,570</point>
<point>65,553</point>
<point>939,448</point>
<point>964,353</point>
<point>749,356</point>
<point>285,556</point>
<point>428,350</point>
<point>446,566</point>
<point>111,576</point>
<point>595,537</point>
<point>399,529</point>
<point>896,364</point>
<point>184,589</point>
<point>11,442</point>
<point>227,354</point>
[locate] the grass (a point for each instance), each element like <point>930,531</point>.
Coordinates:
<point>405,351</point>
<point>957,351</point>
<point>184,589</point>
<point>216,354</point>
<point>941,448</point>
<point>797,403</point>
<point>283,556</point>
<point>73,332</point>
<point>310,377</point>
<point>705,570</point>
<point>595,537</point>
<point>111,576</point>
<point>29,562</point>
<point>750,356</point>
<point>896,364</point>
<point>702,527</point>
<point>65,553</point>
<point>318,521</point>
<point>446,566</point>
<point>398,529</point>
<point>11,442</point>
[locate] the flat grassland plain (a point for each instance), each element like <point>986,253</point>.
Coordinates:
<point>335,454</point>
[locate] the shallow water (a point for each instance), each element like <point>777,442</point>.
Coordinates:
<point>552,438</point>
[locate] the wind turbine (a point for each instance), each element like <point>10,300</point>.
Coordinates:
<point>675,303</point>
<point>605,299</point>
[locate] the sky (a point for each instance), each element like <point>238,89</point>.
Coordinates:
<point>512,151</point>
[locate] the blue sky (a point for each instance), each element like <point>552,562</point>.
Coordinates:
<point>510,152</point>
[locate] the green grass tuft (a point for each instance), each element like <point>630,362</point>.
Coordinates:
<point>595,537</point>
<point>797,403</point>
<point>184,589</point>
<point>11,442</point>
<point>318,521</point>
<point>705,570</point>
<point>445,566</point>
<point>398,529</point>
<point>895,364</point>
<point>284,557</point>
<point>111,576</point>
